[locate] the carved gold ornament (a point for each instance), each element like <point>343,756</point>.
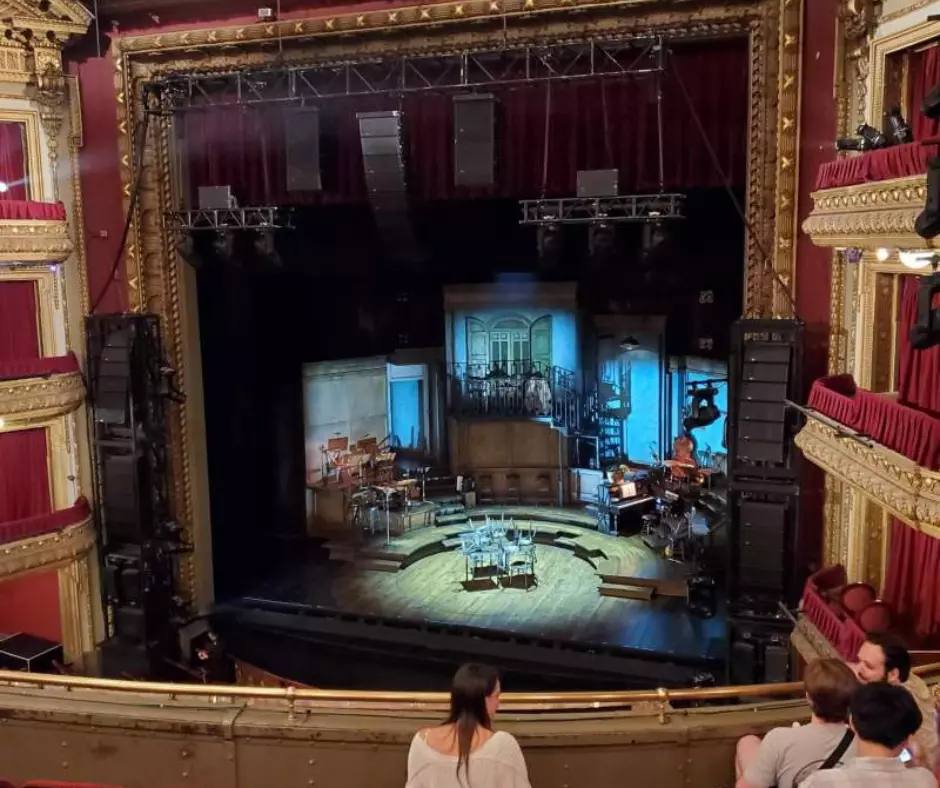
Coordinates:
<point>40,399</point>
<point>34,241</point>
<point>49,550</point>
<point>897,484</point>
<point>869,215</point>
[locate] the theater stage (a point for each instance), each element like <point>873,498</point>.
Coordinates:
<point>592,588</point>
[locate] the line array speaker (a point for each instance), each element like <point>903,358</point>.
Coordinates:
<point>302,133</point>
<point>765,370</point>
<point>380,134</point>
<point>474,139</point>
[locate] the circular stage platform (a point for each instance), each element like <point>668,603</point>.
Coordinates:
<point>590,587</point>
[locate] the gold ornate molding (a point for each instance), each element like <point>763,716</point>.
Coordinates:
<point>869,215</point>
<point>892,481</point>
<point>31,399</point>
<point>47,551</point>
<point>810,643</point>
<point>34,241</point>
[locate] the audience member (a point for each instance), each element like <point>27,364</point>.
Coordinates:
<point>884,717</point>
<point>786,756</point>
<point>465,751</point>
<point>884,658</point>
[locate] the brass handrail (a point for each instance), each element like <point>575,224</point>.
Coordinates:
<point>292,695</point>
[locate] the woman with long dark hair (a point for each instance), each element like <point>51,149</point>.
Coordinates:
<point>465,752</point>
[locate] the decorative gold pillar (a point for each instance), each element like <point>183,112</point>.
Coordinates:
<point>77,609</point>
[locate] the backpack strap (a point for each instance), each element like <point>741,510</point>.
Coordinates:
<point>836,755</point>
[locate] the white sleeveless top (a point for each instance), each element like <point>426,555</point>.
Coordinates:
<point>498,763</point>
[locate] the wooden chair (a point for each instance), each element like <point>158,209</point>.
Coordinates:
<point>512,489</point>
<point>543,489</point>
<point>485,490</point>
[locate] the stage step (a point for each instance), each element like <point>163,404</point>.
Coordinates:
<point>381,554</point>
<point>377,565</point>
<point>458,518</point>
<point>659,587</point>
<point>568,544</point>
<point>642,593</point>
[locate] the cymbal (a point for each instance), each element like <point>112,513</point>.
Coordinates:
<point>679,464</point>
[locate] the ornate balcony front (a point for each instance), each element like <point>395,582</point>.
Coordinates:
<point>872,215</point>
<point>847,436</point>
<point>33,232</point>
<point>40,390</point>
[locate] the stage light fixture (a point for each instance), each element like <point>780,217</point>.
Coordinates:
<point>628,344</point>
<point>925,333</point>
<point>931,105</point>
<point>187,250</point>
<point>866,138</point>
<point>548,239</point>
<point>916,260</point>
<point>4,187</point>
<point>703,410</point>
<point>927,224</point>
<point>265,249</point>
<point>882,254</point>
<point>601,240</point>
<point>901,132</point>
<point>223,246</point>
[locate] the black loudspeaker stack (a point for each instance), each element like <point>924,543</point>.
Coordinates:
<point>382,137</point>
<point>474,139</point>
<point>128,388</point>
<point>764,575</point>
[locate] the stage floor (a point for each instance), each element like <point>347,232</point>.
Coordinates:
<point>565,604</point>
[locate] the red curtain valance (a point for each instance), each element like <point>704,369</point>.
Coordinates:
<point>38,367</point>
<point>903,429</point>
<point>24,475</point>
<point>912,579</point>
<point>44,523</point>
<point>924,70</point>
<point>918,370</point>
<point>19,321</point>
<point>899,161</point>
<point>32,210</point>
<point>12,162</point>
<point>592,125</point>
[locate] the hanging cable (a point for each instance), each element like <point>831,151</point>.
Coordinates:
<point>608,147</point>
<point>140,141</point>
<point>716,163</point>
<point>547,137</point>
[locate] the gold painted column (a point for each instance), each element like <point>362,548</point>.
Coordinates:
<point>77,609</point>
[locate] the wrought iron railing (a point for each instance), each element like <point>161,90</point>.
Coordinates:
<point>519,389</point>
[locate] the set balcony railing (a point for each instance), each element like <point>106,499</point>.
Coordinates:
<point>520,390</point>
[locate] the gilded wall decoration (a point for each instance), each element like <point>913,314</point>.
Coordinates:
<point>869,215</point>
<point>44,241</point>
<point>31,399</point>
<point>892,481</point>
<point>155,280</point>
<point>47,551</point>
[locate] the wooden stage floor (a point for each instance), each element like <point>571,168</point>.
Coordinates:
<point>415,578</point>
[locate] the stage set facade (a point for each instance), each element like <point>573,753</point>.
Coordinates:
<point>826,236</point>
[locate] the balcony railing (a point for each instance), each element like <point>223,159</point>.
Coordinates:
<point>519,390</point>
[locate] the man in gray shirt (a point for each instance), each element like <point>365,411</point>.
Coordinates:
<point>787,756</point>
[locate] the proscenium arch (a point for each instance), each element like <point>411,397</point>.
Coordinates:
<point>161,283</point>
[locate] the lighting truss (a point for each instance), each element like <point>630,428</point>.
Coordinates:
<point>482,68</point>
<point>260,218</point>
<point>601,210</point>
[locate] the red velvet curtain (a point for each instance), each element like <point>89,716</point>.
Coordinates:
<point>12,161</point>
<point>593,124</point>
<point>924,73</point>
<point>24,475</point>
<point>19,326</point>
<point>918,370</point>
<point>912,580</point>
